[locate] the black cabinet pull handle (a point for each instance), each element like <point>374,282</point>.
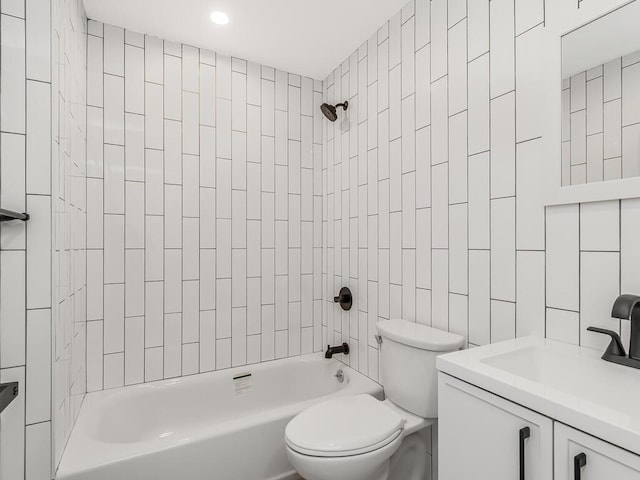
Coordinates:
<point>524,434</point>
<point>579,461</point>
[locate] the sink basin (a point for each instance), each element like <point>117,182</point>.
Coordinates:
<point>586,378</point>
<point>539,365</point>
<point>565,382</point>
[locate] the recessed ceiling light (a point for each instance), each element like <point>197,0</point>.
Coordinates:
<point>219,18</point>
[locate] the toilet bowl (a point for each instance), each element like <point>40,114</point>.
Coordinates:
<point>355,438</point>
<point>361,438</point>
<point>366,466</point>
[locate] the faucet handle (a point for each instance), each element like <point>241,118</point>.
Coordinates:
<point>344,298</point>
<point>615,348</point>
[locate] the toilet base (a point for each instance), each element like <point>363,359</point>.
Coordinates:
<point>412,460</point>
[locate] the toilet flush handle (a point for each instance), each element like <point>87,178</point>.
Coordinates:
<point>378,339</point>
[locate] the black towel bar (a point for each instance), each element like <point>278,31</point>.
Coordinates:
<point>8,215</point>
<point>8,392</point>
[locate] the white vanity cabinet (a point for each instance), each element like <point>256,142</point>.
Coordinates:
<point>479,438</point>
<point>601,459</point>
<point>482,436</point>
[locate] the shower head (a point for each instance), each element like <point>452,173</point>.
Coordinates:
<point>329,111</point>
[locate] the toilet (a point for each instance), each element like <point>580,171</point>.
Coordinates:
<point>358,437</point>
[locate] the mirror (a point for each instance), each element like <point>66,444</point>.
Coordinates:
<point>601,99</point>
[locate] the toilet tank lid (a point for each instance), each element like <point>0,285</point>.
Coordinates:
<point>419,336</point>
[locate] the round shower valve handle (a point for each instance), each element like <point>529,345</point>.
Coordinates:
<point>345,299</point>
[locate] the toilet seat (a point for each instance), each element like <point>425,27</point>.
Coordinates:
<point>346,453</point>
<point>343,427</point>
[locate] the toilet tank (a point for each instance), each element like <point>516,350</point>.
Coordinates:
<point>408,364</point>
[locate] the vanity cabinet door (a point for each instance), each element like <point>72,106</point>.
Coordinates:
<point>482,436</point>
<point>579,456</point>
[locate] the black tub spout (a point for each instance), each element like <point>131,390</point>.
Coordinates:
<point>331,351</point>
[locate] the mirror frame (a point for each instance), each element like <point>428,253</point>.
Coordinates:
<point>563,17</point>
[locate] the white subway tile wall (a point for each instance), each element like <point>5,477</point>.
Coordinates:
<point>42,262</point>
<point>204,211</point>
<point>432,180</point>
<point>69,197</point>
<point>601,123</point>
<point>42,276</point>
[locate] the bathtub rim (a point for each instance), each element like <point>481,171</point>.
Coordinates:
<point>84,453</point>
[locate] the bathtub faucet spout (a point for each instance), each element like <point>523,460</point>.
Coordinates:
<point>331,351</point>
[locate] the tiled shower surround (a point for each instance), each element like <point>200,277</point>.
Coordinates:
<point>42,262</point>
<point>430,199</point>
<point>69,227</point>
<point>432,189</point>
<point>204,210</point>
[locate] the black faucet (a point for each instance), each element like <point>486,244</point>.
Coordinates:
<point>331,351</point>
<point>626,307</point>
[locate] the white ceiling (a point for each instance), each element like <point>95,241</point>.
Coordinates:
<point>308,37</point>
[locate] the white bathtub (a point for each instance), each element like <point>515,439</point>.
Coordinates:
<point>203,427</point>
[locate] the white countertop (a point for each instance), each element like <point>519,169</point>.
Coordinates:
<point>570,384</point>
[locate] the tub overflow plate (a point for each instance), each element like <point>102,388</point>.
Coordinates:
<point>242,384</point>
